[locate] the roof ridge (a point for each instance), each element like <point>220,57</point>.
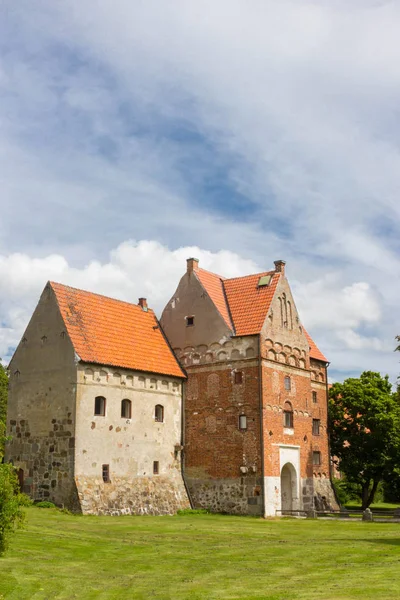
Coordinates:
<point>97,294</point>
<point>251,275</point>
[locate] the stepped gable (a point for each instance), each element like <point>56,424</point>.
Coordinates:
<point>112,332</point>
<point>244,305</point>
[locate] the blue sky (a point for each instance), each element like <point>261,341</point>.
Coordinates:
<point>135,133</point>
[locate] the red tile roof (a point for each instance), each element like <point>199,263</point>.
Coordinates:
<point>111,332</point>
<point>315,352</point>
<point>215,288</point>
<point>248,303</point>
<point>243,304</point>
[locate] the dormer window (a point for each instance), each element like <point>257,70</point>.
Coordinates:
<point>189,321</point>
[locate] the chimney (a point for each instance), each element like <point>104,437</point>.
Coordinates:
<point>192,264</point>
<point>143,304</point>
<point>280,266</point>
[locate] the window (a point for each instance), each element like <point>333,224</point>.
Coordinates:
<point>315,426</point>
<point>189,321</point>
<point>156,467</point>
<point>100,406</point>
<point>238,377</point>
<point>159,413</point>
<point>288,416</point>
<point>314,397</point>
<point>242,422</point>
<point>316,458</point>
<point>106,473</point>
<point>287,383</point>
<point>126,409</point>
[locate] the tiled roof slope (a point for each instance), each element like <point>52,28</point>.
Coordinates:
<point>248,303</point>
<point>315,352</point>
<point>214,285</point>
<point>244,304</point>
<point>111,332</point>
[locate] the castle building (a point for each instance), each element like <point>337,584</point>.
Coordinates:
<point>95,407</point>
<point>222,403</point>
<point>255,433</point>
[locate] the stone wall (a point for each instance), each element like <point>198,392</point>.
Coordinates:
<point>324,495</point>
<point>238,496</point>
<point>41,407</point>
<point>47,461</point>
<point>160,495</point>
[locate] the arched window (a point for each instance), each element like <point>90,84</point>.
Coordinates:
<point>288,416</point>
<point>100,406</point>
<point>159,413</point>
<point>126,409</point>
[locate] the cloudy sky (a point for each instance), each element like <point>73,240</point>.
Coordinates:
<point>136,133</point>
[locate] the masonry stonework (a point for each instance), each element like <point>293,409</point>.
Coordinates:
<point>61,446</point>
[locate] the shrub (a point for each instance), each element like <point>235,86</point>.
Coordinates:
<point>11,514</point>
<point>45,504</point>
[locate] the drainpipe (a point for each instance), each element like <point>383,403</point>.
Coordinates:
<point>260,392</point>
<point>183,444</point>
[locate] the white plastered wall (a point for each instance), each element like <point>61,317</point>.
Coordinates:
<point>272,485</point>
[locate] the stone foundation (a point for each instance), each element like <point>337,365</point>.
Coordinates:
<point>45,462</point>
<point>158,495</point>
<point>240,496</point>
<point>324,495</point>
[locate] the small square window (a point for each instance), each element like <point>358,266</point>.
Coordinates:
<point>316,458</point>
<point>314,397</point>
<point>156,467</point>
<point>106,473</point>
<point>287,383</point>
<point>238,377</point>
<point>189,321</point>
<point>315,426</point>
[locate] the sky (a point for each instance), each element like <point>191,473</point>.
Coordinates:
<point>137,133</point>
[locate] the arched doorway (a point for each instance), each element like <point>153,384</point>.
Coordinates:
<point>288,488</point>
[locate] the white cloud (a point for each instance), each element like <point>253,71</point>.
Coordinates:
<point>134,269</point>
<point>120,121</point>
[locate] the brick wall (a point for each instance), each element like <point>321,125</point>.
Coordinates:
<point>222,462</point>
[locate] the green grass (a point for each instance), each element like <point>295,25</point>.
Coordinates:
<point>60,556</point>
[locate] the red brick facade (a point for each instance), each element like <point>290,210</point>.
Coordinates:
<point>255,426</point>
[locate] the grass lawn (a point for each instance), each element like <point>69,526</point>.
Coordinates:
<point>199,557</point>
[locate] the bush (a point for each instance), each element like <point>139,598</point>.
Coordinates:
<point>11,500</point>
<point>45,504</point>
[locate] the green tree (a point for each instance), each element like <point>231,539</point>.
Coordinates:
<point>11,499</point>
<point>364,422</point>
<point>11,502</point>
<point>3,406</point>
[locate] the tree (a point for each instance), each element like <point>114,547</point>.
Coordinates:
<point>11,502</point>
<point>11,499</point>
<point>3,406</point>
<point>364,422</point>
